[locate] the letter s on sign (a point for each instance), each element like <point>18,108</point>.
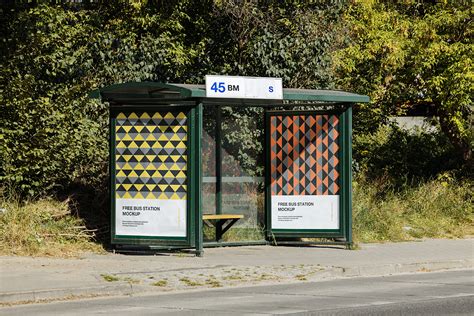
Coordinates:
<point>270,89</point>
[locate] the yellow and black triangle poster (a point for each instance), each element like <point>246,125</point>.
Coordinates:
<point>151,173</point>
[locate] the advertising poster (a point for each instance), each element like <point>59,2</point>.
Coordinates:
<point>150,174</point>
<point>304,172</point>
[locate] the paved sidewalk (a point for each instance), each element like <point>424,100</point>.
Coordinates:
<point>25,279</point>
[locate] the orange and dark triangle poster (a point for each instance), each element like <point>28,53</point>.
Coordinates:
<point>304,170</point>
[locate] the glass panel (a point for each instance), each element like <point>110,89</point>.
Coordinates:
<point>243,171</point>
<point>209,160</point>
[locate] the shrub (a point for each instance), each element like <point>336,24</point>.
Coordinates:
<point>402,156</point>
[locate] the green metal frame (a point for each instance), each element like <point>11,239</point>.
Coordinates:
<point>197,180</point>
<point>344,168</point>
<point>166,241</point>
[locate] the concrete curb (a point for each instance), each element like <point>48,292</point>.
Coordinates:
<point>131,289</point>
<point>398,268</point>
<point>64,293</point>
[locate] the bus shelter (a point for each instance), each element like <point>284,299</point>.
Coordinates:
<point>195,166</point>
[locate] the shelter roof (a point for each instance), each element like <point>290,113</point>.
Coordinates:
<point>149,91</point>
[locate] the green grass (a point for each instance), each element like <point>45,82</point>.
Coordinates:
<point>435,209</point>
<point>45,227</point>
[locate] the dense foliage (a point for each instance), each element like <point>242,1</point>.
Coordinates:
<point>402,157</point>
<point>412,56</point>
<point>52,133</point>
<point>52,136</point>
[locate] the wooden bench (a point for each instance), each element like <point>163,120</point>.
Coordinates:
<point>219,220</point>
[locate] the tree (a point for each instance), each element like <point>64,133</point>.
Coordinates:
<point>292,40</point>
<point>51,134</point>
<point>409,55</point>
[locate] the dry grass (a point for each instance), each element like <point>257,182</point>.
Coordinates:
<point>43,228</point>
<point>440,208</point>
<point>436,209</point>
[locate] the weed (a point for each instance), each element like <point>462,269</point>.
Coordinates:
<point>160,283</point>
<point>109,277</point>
<point>233,277</point>
<point>213,283</point>
<point>264,277</point>
<point>189,282</point>
<point>353,246</point>
<point>301,277</point>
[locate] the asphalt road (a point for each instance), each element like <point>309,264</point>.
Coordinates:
<point>440,293</point>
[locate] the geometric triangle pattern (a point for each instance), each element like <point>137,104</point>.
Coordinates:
<point>304,154</point>
<point>151,155</point>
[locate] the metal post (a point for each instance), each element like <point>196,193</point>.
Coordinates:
<point>219,160</point>
<point>112,145</point>
<point>197,182</point>
<point>348,166</point>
